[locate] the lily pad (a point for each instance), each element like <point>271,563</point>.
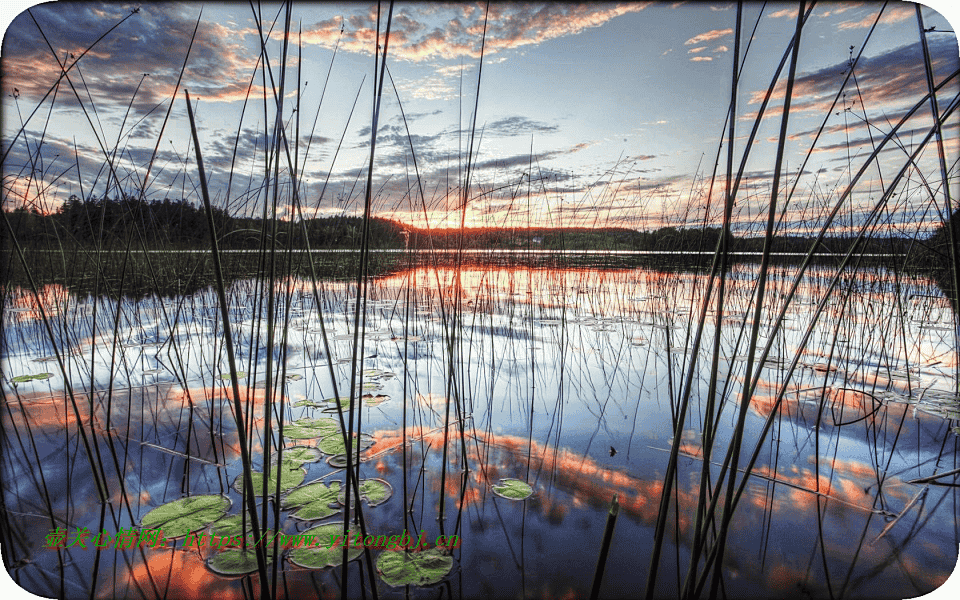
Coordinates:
<point>513,489</point>
<point>229,526</point>
<point>339,461</point>
<point>226,376</point>
<point>306,428</point>
<point>308,402</point>
<point>374,491</point>
<point>319,556</point>
<point>333,444</point>
<point>26,378</point>
<point>186,515</point>
<point>414,568</point>
<point>294,376</point>
<point>235,561</point>
<point>313,500</point>
<point>290,474</point>
<point>372,400</point>
<point>301,454</point>
<point>343,401</point>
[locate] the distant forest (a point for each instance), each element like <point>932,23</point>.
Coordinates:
<point>180,224</point>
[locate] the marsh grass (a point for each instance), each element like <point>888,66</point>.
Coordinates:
<point>730,378</point>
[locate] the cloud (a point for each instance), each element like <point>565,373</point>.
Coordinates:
<point>701,58</point>
<point>885,81</point>
<point>708,36</point>
<point>719,49</point>
<point>895,14</point>
<point>697,49</point>
<point>456,32</point>
<point>519,126</point>
<point>153,41</point>
<point>786,12</point>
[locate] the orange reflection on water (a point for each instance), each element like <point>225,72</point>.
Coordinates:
<point>24,305</point>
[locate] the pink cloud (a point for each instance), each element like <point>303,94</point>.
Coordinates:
<point>708,36</point>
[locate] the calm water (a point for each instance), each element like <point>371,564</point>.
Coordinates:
<point>568,379</point>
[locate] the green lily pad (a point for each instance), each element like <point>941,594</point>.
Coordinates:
<point>313,501</point>
<point>294,376</point>
<point>319,556</point>
<point>290,474</point>
<point>513,489</point>
<point>339,461</point>
<point>372,400</point>
<point>26,378</point>
<point>235,561</point>
<point>308,402</point>
<point>226,376</point>
<point>230,526</point>
<point>301,454</point>
<point>186,515</point>
<point>331,404</point>
<point>414,568</point>
<point>333,444</point>
<point>374,491</point>
<point>306,428</point>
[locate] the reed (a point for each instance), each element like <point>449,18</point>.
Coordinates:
<point>493,353</point>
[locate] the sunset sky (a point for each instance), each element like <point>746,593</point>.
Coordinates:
<point>588,114</point>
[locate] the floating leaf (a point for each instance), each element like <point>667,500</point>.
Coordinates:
<point>313,500</point>
<point>306,428</point>
<point>513,489</point>
<point>308,402</point>
<point>26,378</point>
<point>230,526</point>
<point>338,461</point>
<point>414,568</point>
<point>374,491</point>
<point>319,555</point>
<point>186,515</point>
<point>226,376</point>
<point>334,444</point>
<point>290,475</point>
<point>302,454</point>
<point>375,400</point>
<point>235,561</point>
<point>294,376</point>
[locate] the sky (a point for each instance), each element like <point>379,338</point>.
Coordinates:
<point>589,114</point>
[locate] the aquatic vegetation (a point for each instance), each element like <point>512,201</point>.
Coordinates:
<point>186,515</point>
<point>289,475</point>
<point>233,562</point>
<point>513,489</point>
<point>767,423</point>
<point>374,491</point>
<point>321,553</point>
<point>313,501</point>
<point>307,428</point>
<point>26,378</point>
<point>414,568</point>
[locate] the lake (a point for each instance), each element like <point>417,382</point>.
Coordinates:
<point>506,404</point>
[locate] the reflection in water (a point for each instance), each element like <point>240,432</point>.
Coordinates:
<point>478,374</point>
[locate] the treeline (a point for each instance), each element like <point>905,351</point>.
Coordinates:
<point>179,224</point>
<point>671,239</point>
